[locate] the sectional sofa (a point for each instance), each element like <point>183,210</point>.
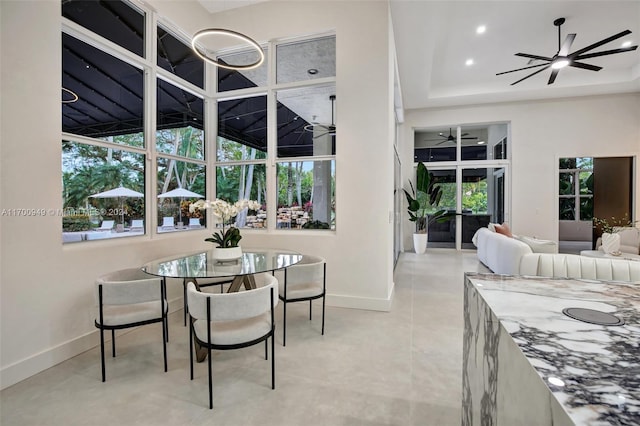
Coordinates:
<point>513,256</point>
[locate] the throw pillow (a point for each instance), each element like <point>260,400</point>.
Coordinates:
<point>492,227</point>
<point>504,230</point>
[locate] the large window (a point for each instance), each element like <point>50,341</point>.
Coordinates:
<point>103,157</point>
<point>576,189</point>
<point>105,133</point>
<point>304,118</point>
<point>275,138</point>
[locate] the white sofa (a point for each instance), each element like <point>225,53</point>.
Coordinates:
<point>498,252</point>
<point>582,267</point>
<point>502,254</point>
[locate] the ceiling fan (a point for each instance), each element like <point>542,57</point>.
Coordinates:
<point>563,58</point>
<point>450,138</point>
<point>329,129</point>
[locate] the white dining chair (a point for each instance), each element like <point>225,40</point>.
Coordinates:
<point>200,284</point>
<point>304,281</point>
<point>130,298</point>
<point>232,321</point>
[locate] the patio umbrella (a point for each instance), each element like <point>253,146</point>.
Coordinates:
<point>182,193</point>
<point>120,193</point>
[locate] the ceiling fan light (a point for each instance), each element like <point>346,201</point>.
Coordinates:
<point>560,63</point>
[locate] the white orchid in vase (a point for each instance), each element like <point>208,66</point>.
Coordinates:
<point>226,212</point>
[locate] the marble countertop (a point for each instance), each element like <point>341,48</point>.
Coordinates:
<point>592,370</point>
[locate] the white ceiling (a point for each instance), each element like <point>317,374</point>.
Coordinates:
<point>435,38</point>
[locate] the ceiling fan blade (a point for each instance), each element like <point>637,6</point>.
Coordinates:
<point>470,137</point>
<point>531,75</point>
<point>553,76</point>
<point>542,58</point>
<point>520,69</point>
<point>606,52</point>
<point>566,46</point>
<point>600,43</point>
<point>585,66</point>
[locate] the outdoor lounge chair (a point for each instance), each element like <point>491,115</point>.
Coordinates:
<point>137,225</point>
<point>194,223</point>
<point>168,223</point>
<point>107,225</point>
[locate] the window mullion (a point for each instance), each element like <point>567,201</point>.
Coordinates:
<point>150,124</point>
<point>272,141</point>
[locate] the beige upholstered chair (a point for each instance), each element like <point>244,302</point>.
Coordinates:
<point>232,321</point>
<point>306,280</point>
<point>202,283</point>
<point>629,240</point>
<point>130,298</point>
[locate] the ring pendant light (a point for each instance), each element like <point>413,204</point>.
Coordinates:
<point>239,36</point>
<point>69,101</point>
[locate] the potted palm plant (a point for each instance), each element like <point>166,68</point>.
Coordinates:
<point>422,200</point>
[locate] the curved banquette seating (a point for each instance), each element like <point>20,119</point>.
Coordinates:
<point>581,267</point>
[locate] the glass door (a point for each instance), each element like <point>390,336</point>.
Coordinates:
<point>443,234</point>
<point>482,200</point>
<point>470,164</point>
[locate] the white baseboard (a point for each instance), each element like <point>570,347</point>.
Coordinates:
<point>23,369</point>
<point>366,303</point>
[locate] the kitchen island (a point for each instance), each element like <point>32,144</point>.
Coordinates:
<point>525,362</point>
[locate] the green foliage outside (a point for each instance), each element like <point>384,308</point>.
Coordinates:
<point>575,171</point>
<point>76,223</point>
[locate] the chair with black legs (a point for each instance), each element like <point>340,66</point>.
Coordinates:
<point>130,298</point>
<point>304,281</point>
<point>232,321</point>
<point>201,283</point>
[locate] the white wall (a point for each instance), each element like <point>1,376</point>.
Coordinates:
<point>541,133</point>
<point>46,289</point>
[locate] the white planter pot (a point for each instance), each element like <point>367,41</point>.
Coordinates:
<point>610,243</point>
<point>226,254</point>
<point>420,242</point>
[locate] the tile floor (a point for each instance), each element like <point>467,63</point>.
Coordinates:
<point>370,368</point>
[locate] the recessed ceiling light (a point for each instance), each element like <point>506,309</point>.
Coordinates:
<point>312,71</point>
<point>469,62</point>
<point>626,44</point>
<point>481,142</point>
<point>481,29</point>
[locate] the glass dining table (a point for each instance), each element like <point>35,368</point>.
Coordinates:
<point>202,264</point>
